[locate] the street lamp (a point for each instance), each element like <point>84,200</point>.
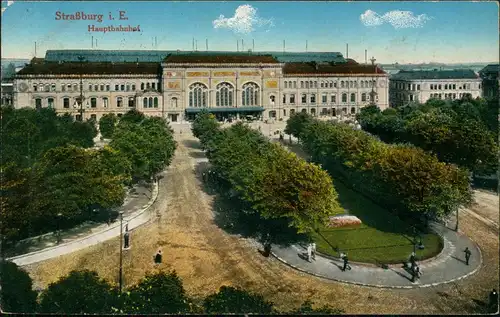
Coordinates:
<point>420,243</point>
<point>121,251</point>
<point>58,237</point>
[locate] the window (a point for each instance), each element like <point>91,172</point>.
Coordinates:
<point>307,84</point>
<point>454,86</point>
<point>105,102</point>
<point>292,98</point>
<point>301,85</point>
<point>142,86</point>
<point>107,88</point>
<point>324,111</point>
<point>304,98</point>
<point>284,99</point>
<point>342,84</point>
<point>313,112</point>
<point>362,84</point>
<point>294,84</point>
<point>122,87</point>
<point>353,97</point>
<point>363,97</point>
<point>284,112</point>
<point>90,87</point>
<point>117,87</point>
<point>334,85</point>
<point>355,84</point>
<point>353,110</point>
<point>145,102</point>
<point>439,87</point>
<point>63,87</point>
<point>322,85</point>
<point>344,97</point>
<point>93,117</point>
<point>35,88</point>
<point>286,84</point>
<point>119,101</point>
<point>333,98</point>
<point>128,87</point>
<point>310,84</point>
<point>324,98</point>
<point>133,87</point>
<point>47,88</point>
<point>173,102</point>
<point>53,87</point>
<point>153,85</point>
<point>93,102</point>
<point>131,102</point>
<point>250,94</point>
<point>96,87</point>
<point>66,103</point>
<point>155,102</point>
<point>102,87</point>
<point>38,103</point>
<point>304,110</point>
<point>224,95</point>
<point>148,85</point>
<point>292,112</point>
<point>271,99</point>
<point>315,84</point>
<point>198,95</point>
<point>351,84</point>
<point>51,102</point>
<point>334,112</point>
<point>411,97</point>
<point>418,87</point>
<point>313,98</point>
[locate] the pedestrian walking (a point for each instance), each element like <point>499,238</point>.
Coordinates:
<point>313,251</point>
<point>309,252</point>
<point>413,261</point>
<point>346,263</point>
<point>158,257</point>
<point>467,255</point>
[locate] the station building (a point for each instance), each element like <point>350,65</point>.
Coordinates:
<point>177,85</point>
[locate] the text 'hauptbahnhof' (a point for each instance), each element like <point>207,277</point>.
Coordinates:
<point>177,85</point>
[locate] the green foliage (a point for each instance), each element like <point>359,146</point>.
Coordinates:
<point>133,116</point>
<point>148,145</point>
<point>107,125</point>
<point>275,182</point>
<point>461,132</point>
<point>230,300</point>
<point>159,293</point>
<point>306,309</point>
<point>400,177</point>
<point>204,127</point>
<point>79,292</point>
<point>294,125</point>
<point>17,293</point>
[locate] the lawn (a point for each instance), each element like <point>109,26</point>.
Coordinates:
<point>382,238</point>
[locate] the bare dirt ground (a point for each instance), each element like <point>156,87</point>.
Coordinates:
<point>206,257</point>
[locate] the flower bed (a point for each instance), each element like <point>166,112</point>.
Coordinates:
<point>344,221</point>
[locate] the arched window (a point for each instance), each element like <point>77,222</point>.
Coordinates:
<point>344,97</point>
<point>301,84</point>
<point>155,102</point>
<point>353,110</point>
<point>342,85</point>
<point>53,87</point>
<point>148,85</point>
<point>362,84</point>
<point>322,84</point>
<point>250,94</point>
<point>197,95</point>
<point>150,102</point>
<point>294,84</point>
<point>145,102</point>
<point>286,84</point>
<point>304,98</point>
<point>224,95</point>
<point>142,86</point>
<point>353,97</point>
<point>363,97</point>
<point>307,84</point>
<point>173,103</point>
<point>119,101</point>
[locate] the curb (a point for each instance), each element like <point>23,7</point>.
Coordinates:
<point>378,285</point>
<point>144,208</point>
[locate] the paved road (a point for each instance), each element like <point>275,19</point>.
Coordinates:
<point>134,215</point>
<point>448,266</point>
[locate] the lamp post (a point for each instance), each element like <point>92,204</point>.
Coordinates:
<point>121,251</point>
<point>58,238</point>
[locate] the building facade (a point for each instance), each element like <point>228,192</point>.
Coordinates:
<point>7,91</point>
<point>491,80</point>
<point>420,86</point>
<point>229,85</point>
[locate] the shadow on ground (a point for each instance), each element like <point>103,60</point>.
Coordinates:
<point>237,217</point>
<point>192,144</point>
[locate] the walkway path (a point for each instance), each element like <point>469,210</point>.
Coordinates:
<point>134,207</point>
<point>448,266</point>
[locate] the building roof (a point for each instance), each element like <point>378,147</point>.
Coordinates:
<point>40,67</point>
<point>491,68</point>
<point>216,59</point>
<point>158,56</point>
<point>313,68</point>
<point>435,74</point>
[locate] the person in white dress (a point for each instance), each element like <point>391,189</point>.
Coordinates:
<point>309,251</point>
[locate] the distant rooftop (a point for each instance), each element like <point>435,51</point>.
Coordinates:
<point>215,59</point>
<point>435,74</point>
<point>159,56</point>
<point>492,68</point>
<point>352,67</point>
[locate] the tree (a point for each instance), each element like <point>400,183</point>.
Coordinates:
<point>9,71</point>
<point>204,127</point>
<point>159,293</point>
<point>133,116</point>
<point>230,300</point>
<point>79,292</point>
<point>296,124</point>
<point>306,309</point>
<point>107,125</point>
<point>18,295</point>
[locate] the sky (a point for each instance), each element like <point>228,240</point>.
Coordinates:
<point>403,32</point>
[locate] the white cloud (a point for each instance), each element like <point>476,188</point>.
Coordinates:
<point>9,3</point>
<point>245,20</point>
<point>398,19</point>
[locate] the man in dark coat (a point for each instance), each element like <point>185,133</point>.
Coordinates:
<point>158,257</point>
<point>467,255</point>
<point>346,263</point>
